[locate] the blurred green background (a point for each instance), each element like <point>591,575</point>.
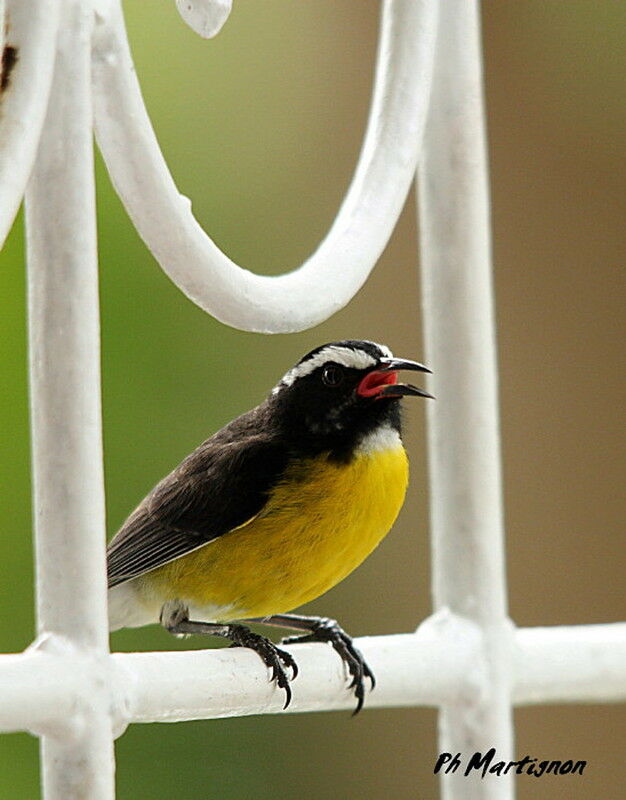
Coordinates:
<point>261,128</point>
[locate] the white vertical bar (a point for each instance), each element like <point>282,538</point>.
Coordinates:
<point>466,497</point>
<point>65,401</point>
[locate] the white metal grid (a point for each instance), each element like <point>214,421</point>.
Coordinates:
<point>467,658</point>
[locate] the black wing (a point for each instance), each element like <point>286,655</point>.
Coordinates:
<point>222,485</point>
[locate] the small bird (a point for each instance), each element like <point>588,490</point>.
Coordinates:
<point>273,510</point>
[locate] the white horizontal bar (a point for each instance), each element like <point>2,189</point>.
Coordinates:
<point>216,686</point>
<point>52,687</point>
<point>569,664</point>
<point>439,664</point>
<point>339,267</point>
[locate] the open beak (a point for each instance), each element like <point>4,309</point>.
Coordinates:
<point>382,381</point>
<point>401,363</point>
<point>403,390</point>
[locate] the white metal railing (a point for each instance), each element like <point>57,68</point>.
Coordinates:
<point>463,425</point>
<point>365,220</point>
<point>468,658</point>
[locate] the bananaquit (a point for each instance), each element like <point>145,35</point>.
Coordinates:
<point>272,511</point>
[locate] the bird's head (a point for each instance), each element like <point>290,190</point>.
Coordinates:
<point>341,391</point>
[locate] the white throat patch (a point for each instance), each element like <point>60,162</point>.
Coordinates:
<point>346,356</point>
<point>381,439</point>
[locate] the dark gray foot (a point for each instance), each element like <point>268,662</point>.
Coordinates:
<point>176,620</point>
<point>322,629</point>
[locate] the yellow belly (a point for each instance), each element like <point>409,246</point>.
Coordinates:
<point>319,524</point>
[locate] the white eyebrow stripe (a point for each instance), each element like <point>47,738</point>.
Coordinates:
<point>385,350</point>
<point>346,356</point>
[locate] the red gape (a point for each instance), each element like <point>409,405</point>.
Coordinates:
<point>373,382</point>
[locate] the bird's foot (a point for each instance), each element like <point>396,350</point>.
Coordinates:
<point>274,657</point>
<point>175,618</point>
<point>323,629</point>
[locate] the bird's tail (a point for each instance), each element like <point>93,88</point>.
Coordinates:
<point>126,610</point>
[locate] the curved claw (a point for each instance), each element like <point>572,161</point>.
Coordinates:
<point>289,661</point>
<point>328,630</point>
<point>279,677</point>
<point>272,656</point>
<point>175,619</point>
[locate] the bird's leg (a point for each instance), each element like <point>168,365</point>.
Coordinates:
<point>175,619</point>
<point>322,629</point>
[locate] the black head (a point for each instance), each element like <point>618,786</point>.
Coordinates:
<point>339,392</point>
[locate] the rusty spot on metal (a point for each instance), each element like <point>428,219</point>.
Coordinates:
<point>9,60</point>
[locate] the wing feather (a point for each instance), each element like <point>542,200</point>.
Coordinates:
<point>221,486</point>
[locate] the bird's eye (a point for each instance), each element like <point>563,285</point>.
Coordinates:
<point>332,375</point>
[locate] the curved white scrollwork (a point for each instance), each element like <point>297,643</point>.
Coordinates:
<point>338,268</point>
<point>344,259</point>
<point>205,17</point>
<point>29,29</point>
